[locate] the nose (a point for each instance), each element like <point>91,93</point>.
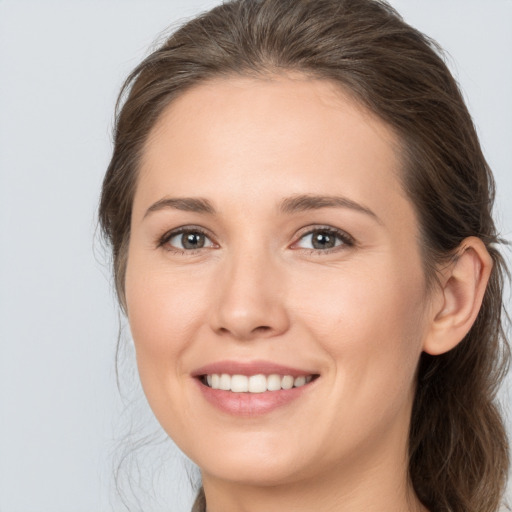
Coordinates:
<point>250,298</point>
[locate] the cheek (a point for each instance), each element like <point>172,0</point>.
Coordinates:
<point>359,303</point>
<point>164,312</point>
<point>371,324</point>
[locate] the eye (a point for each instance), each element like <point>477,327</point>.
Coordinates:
<point>189,239</point>
<point>323,239</point>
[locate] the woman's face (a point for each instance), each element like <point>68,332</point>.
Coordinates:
<point>271,240</point>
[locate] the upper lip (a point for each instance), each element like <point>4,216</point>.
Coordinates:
<point>250,368</point>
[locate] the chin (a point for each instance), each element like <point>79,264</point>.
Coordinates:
<point>262,465</point>
<point>252,472</point>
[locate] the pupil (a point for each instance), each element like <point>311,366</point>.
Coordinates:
<point>323,240</point>
<point>192,240</point>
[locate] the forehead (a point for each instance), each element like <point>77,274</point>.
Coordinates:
<point>251,138</point>
<point>285,108</point>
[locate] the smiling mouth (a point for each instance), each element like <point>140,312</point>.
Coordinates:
<point>258,383</point>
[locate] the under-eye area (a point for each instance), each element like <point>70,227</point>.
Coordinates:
<point>258,383</point>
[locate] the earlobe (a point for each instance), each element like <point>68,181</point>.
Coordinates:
<point>459,297</point>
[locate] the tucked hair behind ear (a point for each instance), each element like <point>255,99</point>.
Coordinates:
<point>458,448</point>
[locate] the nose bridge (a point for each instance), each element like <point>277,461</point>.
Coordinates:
<point>250,300</point>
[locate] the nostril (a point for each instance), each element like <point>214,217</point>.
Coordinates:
<point>262,329</point>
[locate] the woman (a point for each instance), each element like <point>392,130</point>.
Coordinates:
<point>300,218</point>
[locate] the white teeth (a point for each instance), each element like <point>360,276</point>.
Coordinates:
<point>274,382</point>
<point>287,382</point>
<point>225,382</point>
<point>299,381</point>
<point>239,383</point>
<point>255,383</point>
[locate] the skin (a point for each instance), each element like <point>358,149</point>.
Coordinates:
<point>358,315</point>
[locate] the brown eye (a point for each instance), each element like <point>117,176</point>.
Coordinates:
<point>189,240</point>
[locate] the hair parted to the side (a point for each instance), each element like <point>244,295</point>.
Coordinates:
<point>457,446</point>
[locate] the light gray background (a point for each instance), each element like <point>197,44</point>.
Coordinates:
<point>61,65</point>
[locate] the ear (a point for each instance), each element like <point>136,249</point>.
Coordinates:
<point>457,301</point>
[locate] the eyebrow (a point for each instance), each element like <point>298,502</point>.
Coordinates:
<point>305,202</point>
<point>290,205</point>
<point>186,204</point>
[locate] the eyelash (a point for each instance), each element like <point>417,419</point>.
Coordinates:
<point>346,239</point>
<point>163,242</point>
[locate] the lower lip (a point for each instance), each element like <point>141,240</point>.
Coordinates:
<point>251,404</point>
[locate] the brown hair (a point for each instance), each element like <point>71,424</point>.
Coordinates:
<point>457,445</point>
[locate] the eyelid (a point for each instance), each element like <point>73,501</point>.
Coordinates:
<point>168,235</point>
<point>347,239</point>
